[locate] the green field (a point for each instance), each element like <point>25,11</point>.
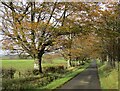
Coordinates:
<point>27,64</point>
<point>19,65</point>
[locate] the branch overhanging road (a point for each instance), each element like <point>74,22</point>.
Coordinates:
<point>88,79</point>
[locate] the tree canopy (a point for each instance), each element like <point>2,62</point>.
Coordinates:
<point>78,29</point>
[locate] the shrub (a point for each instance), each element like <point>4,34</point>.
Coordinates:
<point>29,82</point>
<point>35,72</point>
<point>58,69</point>
<point>28,72</point>
<point>17,84</point>
<point>8,73</point>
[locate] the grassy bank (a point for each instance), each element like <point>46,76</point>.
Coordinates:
<point>108,76</point>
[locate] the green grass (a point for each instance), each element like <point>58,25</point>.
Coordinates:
<point>108,77</point>
<point>19,65</point>
<point>57,83</point>
<point>55,62</point>
<point>23,65</point>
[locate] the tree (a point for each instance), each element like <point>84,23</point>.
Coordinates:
<point>107,29</point>
<point>78,25</point>
<point>30,27</point>
<point>33,27</point>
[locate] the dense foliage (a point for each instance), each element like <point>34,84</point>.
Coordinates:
<point>78,31</point>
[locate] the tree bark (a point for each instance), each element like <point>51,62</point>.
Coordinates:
<point>68,63</point>
<point>82,62</point>
<point>40,65</point>
<point>40,54</point>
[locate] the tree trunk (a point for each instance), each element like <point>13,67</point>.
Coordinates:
<point>82,62</point>
<point>68,63</point>
<point>110,61</point>
<point>113,63</point>
<point>36,65</point>
<point>79,62</point>
<point>40,65</point>
<point>40,54</point>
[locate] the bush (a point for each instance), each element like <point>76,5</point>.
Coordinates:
<point>17,84</point>
<point>28,73</point>
<point>35,72</point>
<point>8,73</point>
<point>58,69</point>
<point>29,82</point>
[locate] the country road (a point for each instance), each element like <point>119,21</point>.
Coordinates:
<point>88,79</point>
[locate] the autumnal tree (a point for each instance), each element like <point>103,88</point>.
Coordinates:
<point>30,27</point>
<point>78,30</point>
<point>107,28</point>
<point>34,27</point>
<point>79,24</point>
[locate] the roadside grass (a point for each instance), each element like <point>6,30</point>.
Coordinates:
<point>66,77</point>
<point>108,76</point>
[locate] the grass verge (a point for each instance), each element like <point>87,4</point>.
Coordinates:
<point>68,76</point>
<point>108,76</point>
